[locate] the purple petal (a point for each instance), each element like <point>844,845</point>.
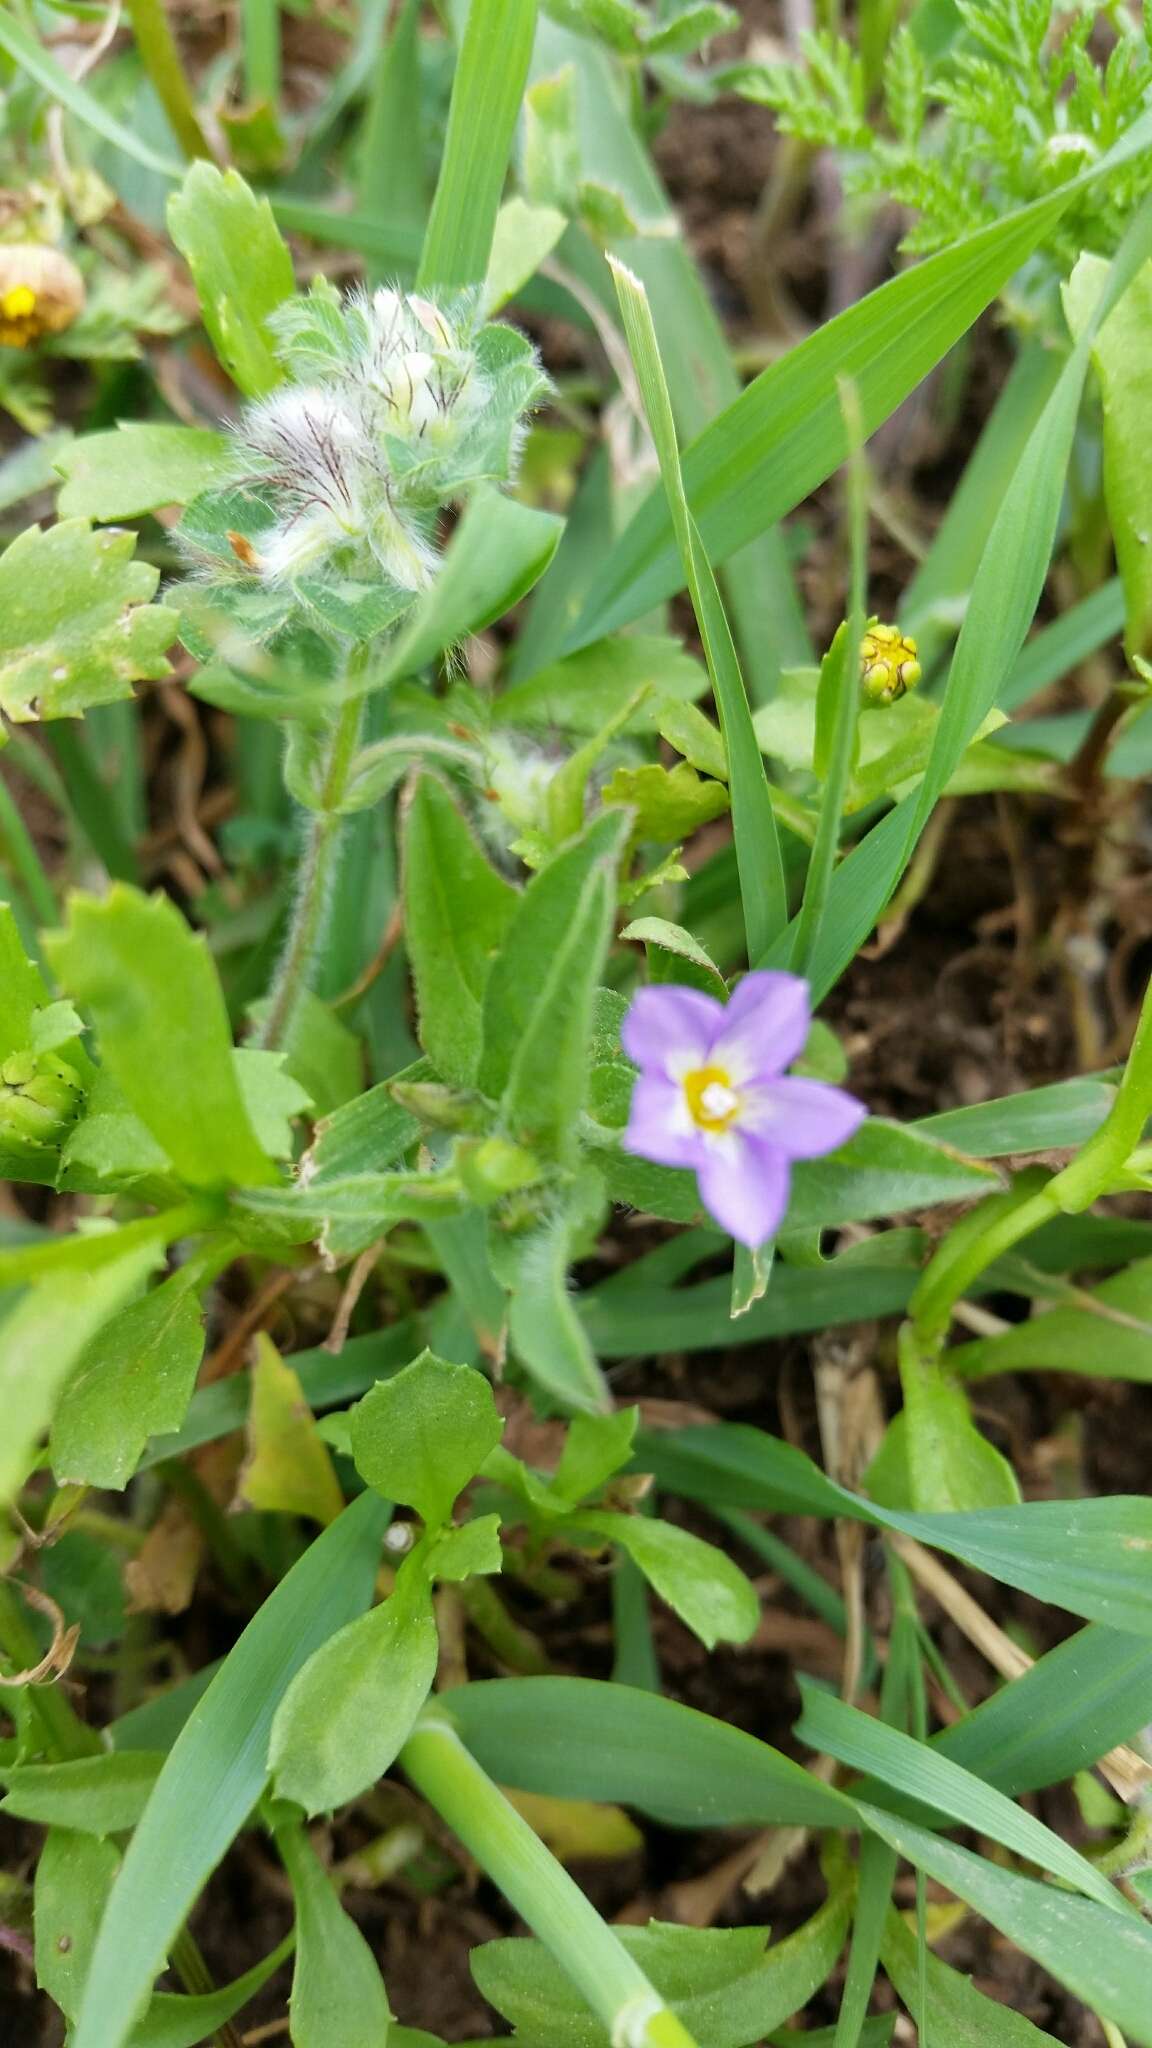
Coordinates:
<point>804,1118</point>
<point>744,1184</point>
<point>670,1028</point>
<point>764,1026</point>
<point>660,1125</point>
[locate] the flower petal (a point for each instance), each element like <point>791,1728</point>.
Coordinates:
<point>804,1118</point>
<point>764,1026</point>
<point>660,1125</point>
<point>669,1029</point>
<point>744,1184</point>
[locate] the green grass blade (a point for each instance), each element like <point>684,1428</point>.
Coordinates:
<point>1063,645</point>
<point>670,1761</point>
<point>840,693</point>
<point>945,575</point>
<point>758,584</point>
<point>391,188</point>
<point>1103,1957</point>
<point>753,820</point>
<point>260,29</point>
<point>1086,1696</point>
<point>873,1894</point>
<point>217,1769</point>
<point>491,73</point>
<point>39,63</point>
<point>785,435</point>
<point>915,1771</point>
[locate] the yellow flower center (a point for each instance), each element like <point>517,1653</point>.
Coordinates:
<point>712,1100</point>
<point>18,301</point>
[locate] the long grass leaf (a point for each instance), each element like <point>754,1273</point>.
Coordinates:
<point>785,435</point>
<point>217,1768</point>
<point>491,73</point>
<point>753,820</point>
<point>39,63</point>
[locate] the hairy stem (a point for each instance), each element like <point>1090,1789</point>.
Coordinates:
<point>317,878</point>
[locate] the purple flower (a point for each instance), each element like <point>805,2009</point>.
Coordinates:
<point>712,1094</point>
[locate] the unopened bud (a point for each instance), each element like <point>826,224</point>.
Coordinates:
<point>40,1097</point>
<point>888,663</point>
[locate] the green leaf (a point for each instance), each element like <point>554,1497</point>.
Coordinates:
<point>674,955</point>
<point>338,1997</point>
<point>31,57</point>
<point>72,1880</point>
<point>959,2015</point>
<point>595,1446</point>
<point>272,1098</point>
<point>523,238</point>
<point>727,1988</point>
<point>349,1711</point>
<point>497,552</point>
<point>949,1465</point>
<point>762,890</point>
<point>473,1551</point>
<point>491,73</point>
<point>240,266</point>
<point>25,990</point>
<point>919,1772</point>
<point>138,468</point>
<point>547,1082</point>
<point>544,1328</point>
<point>585,690</point>
<point>287,1470</point>
<point>1121,361</point>
<point>1089,1556</point>
<point>1073,1706</point>
<point>76,627</point>
<point>703,1586</point>
<point>519,1000</point>
<point>153,992</point>
<point>1036,1120</point>
<point>133,1379</point>
<point>173,2021</point>
<point>45,1333</point>
<point>1109,1337</point>
<point>419,1438</point>
<point>216,1770</point>
<point>770,449</point>
<point>681,1767</point>
<point>1104,1957</point>
<point>457,910</point>
<point>320,1052</point>
<point>670,803</point>
<point>92,1795</point>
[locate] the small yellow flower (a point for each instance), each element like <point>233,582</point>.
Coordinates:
<point>41,292</point>
<point>888,664</point>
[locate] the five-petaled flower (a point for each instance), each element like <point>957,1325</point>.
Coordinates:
<point>713,1095</point>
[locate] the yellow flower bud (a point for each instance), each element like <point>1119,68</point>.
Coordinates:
<point>888,664</point>
<point>41,292</point>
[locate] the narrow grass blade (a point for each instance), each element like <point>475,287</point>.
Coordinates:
<point>753,819</point>
<point>785,435</point>
<point>919,1772</point>
<point>391,141</point>
<point>1103,1957</point>
<point>873,1896</point>
<point>838,703</point>
<point>1086,1696</point>
<point>671,1762</point>
<point>491,73</point>
<point>39,63</point>
<point>217,1769</point>
<point>260,30</point>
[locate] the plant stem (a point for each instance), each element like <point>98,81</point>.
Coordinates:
<point>161,60</point>
<point>16,841</point>
<point>261,23</point>
<point>318,875</point>
<point>538,1887</point>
